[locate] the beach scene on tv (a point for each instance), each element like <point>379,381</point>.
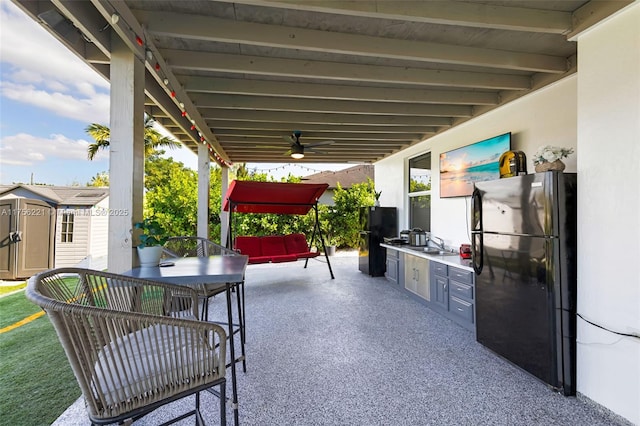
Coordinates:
<point>478,162</point>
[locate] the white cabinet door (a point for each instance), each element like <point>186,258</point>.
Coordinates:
<point>416,276</point>
<point>410,282</point>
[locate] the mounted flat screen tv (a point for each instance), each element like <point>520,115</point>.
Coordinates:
<point>478,162</point>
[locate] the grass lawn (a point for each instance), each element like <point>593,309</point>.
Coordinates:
<point>8,288</point>
<point>35,377</point>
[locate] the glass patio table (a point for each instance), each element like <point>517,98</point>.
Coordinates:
<point>204,274</point>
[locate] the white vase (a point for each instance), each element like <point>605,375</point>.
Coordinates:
<point>150,256</point>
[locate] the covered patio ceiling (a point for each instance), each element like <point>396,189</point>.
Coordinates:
<point>374,77</point>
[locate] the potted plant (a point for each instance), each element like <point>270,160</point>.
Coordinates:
<point>152,239</point>
<point>549,158</point>
<point>332,243</point>
<point>377,195</point>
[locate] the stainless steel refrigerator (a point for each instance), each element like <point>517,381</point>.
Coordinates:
<point>375,224</point>
<point>524,257</point>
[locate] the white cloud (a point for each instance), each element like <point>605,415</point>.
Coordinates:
<point>28,150</point>
<point>26,45</point>
<point>26,76</point>
<point>56,86</point>
<point>38,70</point>
<point>93,109</point>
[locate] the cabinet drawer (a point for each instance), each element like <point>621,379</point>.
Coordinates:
<point>460,308</point>
<point>461,290</point>
<point>461,275</point>
<point>439,268</point>
<point>392,254</point>
<point>392,270</point>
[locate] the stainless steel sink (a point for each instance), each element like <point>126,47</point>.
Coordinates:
<point>435,251</point>
<point>431,250</point>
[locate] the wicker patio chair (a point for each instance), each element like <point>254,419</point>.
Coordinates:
<point>188,246</point>
<point>133,345</point>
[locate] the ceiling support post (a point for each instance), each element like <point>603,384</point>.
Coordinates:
<point>126,154</point>
<point>224,216</point>
<point>203,191</point>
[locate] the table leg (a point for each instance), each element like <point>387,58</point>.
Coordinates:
<point>234,385</point>
<point>240,300</point>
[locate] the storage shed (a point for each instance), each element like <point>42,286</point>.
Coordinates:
<point>42,227</point>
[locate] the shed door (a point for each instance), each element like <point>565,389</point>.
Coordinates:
<point>8,226</point>
<point>35,250</point>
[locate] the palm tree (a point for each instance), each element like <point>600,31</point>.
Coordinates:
<point>152,138</point>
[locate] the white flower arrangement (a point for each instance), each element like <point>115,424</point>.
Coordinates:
<point>549,154</point>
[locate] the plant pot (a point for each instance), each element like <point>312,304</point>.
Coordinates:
<point>376,203</point>
<point>331,250</point>
<point>150,256</point>
<point>555,165</point>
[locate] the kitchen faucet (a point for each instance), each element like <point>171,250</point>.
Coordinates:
<point>439,243</point>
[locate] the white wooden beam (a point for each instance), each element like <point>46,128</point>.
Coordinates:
<point>287,128</point>
<point>324,118</point>
<point>85,17</point>
<point>328,106</point>
<point>314,136</point>
<point>126,26</point>
<point>126,154</point>
<point>208,28</point>
<point>436,12</point>
<point>260,65</point>
<point>235,86</point>
<point>593,12</point>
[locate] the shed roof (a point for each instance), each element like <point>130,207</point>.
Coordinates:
<point>61,195</point>
<point>272,197</point>
<point>346,177</point>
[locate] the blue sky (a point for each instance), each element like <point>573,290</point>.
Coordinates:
<point>48,96</point>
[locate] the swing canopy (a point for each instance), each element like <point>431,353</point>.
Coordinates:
<point>272,197</point>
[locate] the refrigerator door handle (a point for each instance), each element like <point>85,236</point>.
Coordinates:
<point>477,239</point>
<point>477,252</point>
<point>476,211</point>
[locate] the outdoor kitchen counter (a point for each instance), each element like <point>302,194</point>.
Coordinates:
<point>445,283</point>
<point>451,260</point>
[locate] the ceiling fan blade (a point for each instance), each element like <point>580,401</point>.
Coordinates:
<point>321,143</point>
<point>315,151</point>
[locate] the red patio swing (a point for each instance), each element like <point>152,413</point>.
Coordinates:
<point>278,198</point>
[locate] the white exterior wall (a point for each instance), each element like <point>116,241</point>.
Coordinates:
<point>90,236</point>
<point>597,113</point>
<point>609,213</point>
<point>99,235</point>
<point>70,254</point>
<point>547,117</point>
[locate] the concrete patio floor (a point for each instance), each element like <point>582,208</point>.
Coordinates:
<point>358,351</point>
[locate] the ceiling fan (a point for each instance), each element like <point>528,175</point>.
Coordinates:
<point>297,149</point>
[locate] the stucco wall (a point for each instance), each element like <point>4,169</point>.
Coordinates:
<point>609,213</point>
<point>548,116</point>
<point>598,113</point>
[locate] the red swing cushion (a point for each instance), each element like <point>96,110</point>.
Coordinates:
<point>297,244</point>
